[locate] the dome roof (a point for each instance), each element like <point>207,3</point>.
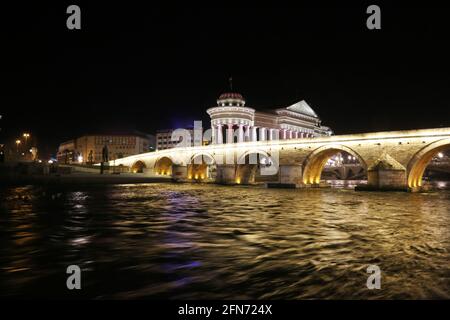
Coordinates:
<point>231,95</point>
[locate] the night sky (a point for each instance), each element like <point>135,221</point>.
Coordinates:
<point>132,67</point>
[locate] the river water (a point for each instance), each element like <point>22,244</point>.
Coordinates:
<point>188,241</point>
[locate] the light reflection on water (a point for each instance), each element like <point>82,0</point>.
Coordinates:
<point>183,241</point>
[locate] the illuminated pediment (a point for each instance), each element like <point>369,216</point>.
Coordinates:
<point>303,108</point>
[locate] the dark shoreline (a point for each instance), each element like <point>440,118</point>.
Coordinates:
<point>78,180</point>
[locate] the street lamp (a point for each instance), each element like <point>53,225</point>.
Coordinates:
<point>26,136</point>
<point>18,142</point>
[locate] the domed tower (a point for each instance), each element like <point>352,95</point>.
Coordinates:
<point>232,99</point>
<point>231,115</point>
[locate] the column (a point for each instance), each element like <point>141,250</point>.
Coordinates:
<point>241,133</point>
<point>270,134</point>
<point>230,133</point>
<point>295,134</point>
<point>262,132</point>
<point>247,133</point>
<point>254,134</point>
<point>276,133</point>
<point>219,134</point>
<point>213,134</point>
<point>289,134</point>
<point>283,134</point>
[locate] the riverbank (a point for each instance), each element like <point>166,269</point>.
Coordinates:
<point>79,179</point>
<point>21,174</point>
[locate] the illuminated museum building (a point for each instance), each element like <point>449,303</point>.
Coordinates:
<point>232,121</point>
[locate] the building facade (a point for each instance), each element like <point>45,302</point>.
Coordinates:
<point>89,148</point>
<point>170,138</point>
<point>164,138</point>
<point>232,121</point>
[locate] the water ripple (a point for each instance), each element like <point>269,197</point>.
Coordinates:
<point>182,241</point>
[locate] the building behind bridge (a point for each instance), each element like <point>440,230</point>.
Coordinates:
<point>165,139</point>
<point>233,121</point>
<point>88,148</point>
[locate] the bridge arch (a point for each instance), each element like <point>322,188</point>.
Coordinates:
<point>138,167</point>
<point>242,157</point>
<point>420,160</point>
<point>201,166</point>
<point>206,157</point>
<point>248,164</point>
<point>316,160</point>
<point>163,166</point>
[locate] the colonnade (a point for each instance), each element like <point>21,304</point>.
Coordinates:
<point>246,133</point>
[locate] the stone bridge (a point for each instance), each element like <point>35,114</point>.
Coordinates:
<point>394,160</point>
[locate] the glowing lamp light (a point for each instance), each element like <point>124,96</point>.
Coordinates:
<point>80,159</point>
<point>440,155</point>
<point>50,161</point>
